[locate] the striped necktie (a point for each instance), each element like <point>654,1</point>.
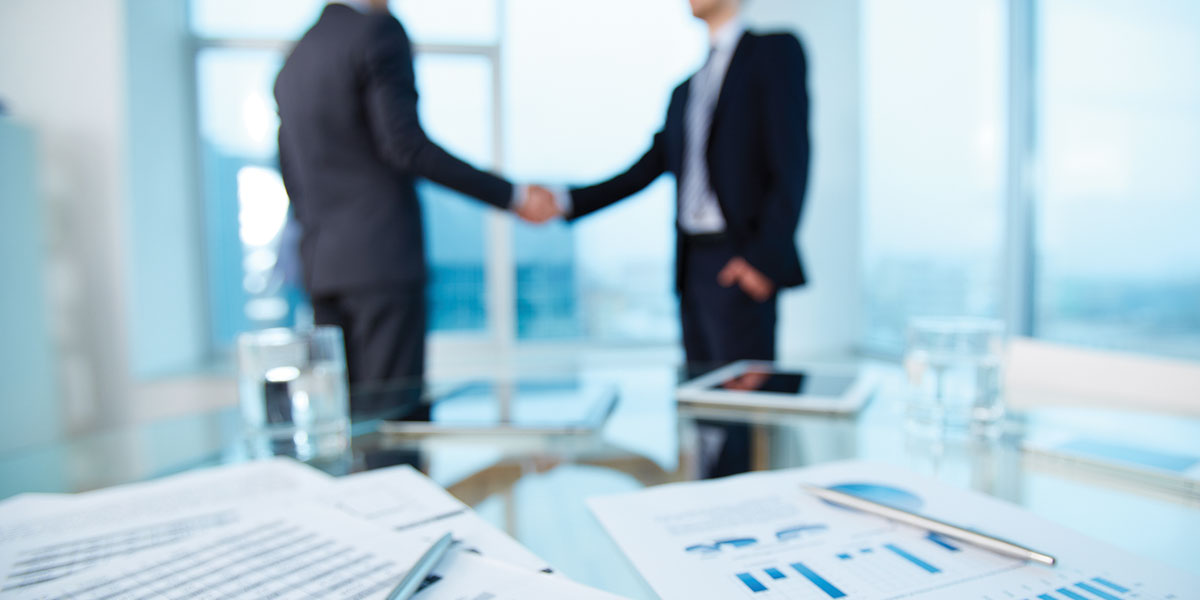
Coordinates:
<point>698,208</point>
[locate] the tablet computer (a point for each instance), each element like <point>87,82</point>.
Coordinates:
<point>1158,463</point>
<point>766,386</point>
<point>494,407</point>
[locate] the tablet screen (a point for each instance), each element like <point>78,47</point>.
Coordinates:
<point>799,384</point>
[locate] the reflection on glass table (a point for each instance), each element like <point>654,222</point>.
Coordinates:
<point>486,408</point>
<point>534,486</point>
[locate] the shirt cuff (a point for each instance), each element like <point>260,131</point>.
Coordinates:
<point>520,193</point>
<point>562,198</point>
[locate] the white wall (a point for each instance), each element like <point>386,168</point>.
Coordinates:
<point>62,72</point>
<point>106,85</point>
<point>822,319</point>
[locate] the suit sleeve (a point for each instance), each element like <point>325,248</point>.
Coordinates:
<point>785,109</point>
<point>391,105</point>
<point>587,200</point>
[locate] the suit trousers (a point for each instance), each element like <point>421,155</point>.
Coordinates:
<point>721,325</point>
<point>385,348</point>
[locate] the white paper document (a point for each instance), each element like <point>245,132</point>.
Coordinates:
<point>39,544</point>
<point>274,529</point>
<point>404,500</point>
<point>760,536</point>
<point>466,576</point>
<point>298,551</point>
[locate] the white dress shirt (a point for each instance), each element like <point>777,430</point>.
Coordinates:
<point>699,210</point>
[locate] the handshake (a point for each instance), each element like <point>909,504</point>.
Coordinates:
<point>538,204</point>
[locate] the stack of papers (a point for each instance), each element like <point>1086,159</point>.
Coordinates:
<point>760,536</point>
<point>273,529</point>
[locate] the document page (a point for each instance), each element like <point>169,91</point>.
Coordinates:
<point>467,576</point>
<point>301,551</point>
<point>274,529</point>
<point>38,545</point>
<point>404,500</point>
<point>761,536</point>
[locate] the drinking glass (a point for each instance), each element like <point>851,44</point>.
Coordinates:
<point>293,392</point>
<point>955,367</point>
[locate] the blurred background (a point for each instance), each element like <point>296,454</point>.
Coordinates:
<point>1032,160</point>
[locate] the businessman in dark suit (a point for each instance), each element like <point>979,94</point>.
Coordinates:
<point>350,147</point>
<point>736,139</point>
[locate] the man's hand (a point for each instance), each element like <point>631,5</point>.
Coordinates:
<point>538,206</point>
<point>751,280</point>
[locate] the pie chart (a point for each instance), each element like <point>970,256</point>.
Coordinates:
<point>890,496</point>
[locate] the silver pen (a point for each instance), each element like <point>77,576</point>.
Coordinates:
<point>939,527</point>
<point>416,576</point>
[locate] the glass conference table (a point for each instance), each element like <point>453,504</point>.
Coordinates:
<point>533,485</point>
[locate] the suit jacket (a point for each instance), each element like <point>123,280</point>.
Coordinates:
<point>758,156</point>
<point>350,147</point>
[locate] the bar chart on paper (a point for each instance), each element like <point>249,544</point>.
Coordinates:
<point>879,572</point>
<point>757,537</point>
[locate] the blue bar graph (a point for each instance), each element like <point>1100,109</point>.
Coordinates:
<point>1110,585</point>
<point>818,581</point>
<point>941,541</point>
<point>775,573</point>
<point>844,556</point>
<point>1046,597</point>
<point>1099,593</point>
<point>1070,594</point>
<point>751,582</point>
<point>912,559</point>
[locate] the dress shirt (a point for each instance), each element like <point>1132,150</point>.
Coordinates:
<point>699,210</point>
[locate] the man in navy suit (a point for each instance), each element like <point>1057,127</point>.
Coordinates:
<point>736,139</point>
<point>351,146</point>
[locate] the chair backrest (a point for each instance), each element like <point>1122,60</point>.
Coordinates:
<point>1041,373</point>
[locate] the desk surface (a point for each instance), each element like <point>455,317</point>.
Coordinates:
<point>534,487</point>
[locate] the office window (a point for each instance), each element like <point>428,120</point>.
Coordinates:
<point>456,107</point>
<point>582,106</point>
<point>450,22</point>
<point>572,107</point>
<point>934,162</point>
<point>427,21</point>
<point>245,204</point>
<point>1119,128</point>
<point>254,19</point>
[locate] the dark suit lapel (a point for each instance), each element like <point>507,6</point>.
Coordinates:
<point>735,75</point>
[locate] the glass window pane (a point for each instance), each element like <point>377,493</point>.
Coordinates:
<point>237,108</point>
<point>449,21</point>
<point>250,285</point>
<point>1120,136</point>
<point>456,110</point>
<point>934,162</point>
<point>256,19</point>
<point>609,277</point>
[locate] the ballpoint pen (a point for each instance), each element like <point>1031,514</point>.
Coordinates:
<point>416,576</point>
<point>939,527</point>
